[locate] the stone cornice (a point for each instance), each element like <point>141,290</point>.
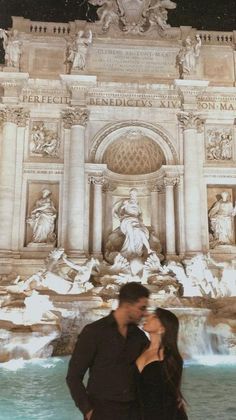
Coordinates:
<point>189,91</point>
<point>12,84</point>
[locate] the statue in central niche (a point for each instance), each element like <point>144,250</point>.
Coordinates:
<point>132,239</point>
<point>131,225</point>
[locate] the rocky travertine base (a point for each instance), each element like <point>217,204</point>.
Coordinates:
<point>207,325</point>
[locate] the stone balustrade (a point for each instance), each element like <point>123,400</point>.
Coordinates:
<point>62,29</point>
<point>41,28</point>
<point>216,38</point>
<point>49,29</point>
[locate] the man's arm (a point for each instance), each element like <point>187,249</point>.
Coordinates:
<point>82,358</point>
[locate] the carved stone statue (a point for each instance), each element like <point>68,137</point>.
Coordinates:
<point>44,142</point>
<point>12,46</point>
<point>107,12</point>
<point>157,13</point>
<point>133,16</point>
<point>60,275</point>
<point>186,59</point>
<point>42,219</point>
<point>131,225</point>
<point>221,221</point>
<point>4,37</point>
<point>77,50</point>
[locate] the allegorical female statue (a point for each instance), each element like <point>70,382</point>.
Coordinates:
<point>78,49</point>
<point>186,59</point>
<point>221,220</point>
<point>42,219</point>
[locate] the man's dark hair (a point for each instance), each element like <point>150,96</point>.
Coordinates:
<point>132,292</point>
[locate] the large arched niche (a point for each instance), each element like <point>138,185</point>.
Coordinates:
<point>110,138</point>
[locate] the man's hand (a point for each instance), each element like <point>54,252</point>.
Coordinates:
<point>89,415</point>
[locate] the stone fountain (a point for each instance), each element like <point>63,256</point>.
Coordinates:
<point>41,315</point>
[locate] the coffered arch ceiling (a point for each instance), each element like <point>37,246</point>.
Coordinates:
<point>133,148</point>
<point>133,153</point>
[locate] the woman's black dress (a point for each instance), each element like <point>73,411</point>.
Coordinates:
<point>157,399</point>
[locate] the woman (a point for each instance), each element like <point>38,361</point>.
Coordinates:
<point>160,369</point>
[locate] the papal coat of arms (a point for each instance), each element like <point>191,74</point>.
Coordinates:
<point>133,16</point>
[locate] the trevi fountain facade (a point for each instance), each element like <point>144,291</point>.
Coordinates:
<point>117,154</point>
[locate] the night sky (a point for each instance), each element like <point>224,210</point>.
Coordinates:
<point>201,14</point>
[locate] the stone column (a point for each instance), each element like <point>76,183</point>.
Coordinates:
<point>11,117</point>
<point>170,216</point>
<point>192,124</point>
<point>21,131</point>
<point>97,182</point>
<point>75,119</point>
<point>154,207</point>
<point>181,218</point>
<point>107,190</point>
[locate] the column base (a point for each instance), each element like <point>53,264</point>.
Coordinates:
<point>72,253</point>
<point>172,257</point>
<point>191,254</point>
<point>98,255</point>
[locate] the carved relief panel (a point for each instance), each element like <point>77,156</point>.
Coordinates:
<point>44,141</point>
<point>42,214</point>
<point>219,143</point>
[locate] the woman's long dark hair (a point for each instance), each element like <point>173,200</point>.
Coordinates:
<point>173,362</point>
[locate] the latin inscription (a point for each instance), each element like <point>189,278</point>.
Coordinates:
<point>40,171</point>
<point>134,102</point>
<point>150,61</point>
<point>46,99</point>
<point>217,106</point>
<point>137,100</point>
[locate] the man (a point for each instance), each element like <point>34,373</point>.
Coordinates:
<point>108,348</point>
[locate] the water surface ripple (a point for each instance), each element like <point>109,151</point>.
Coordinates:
<point>37,390</point>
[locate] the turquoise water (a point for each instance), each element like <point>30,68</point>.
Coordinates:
<point>37,390</point>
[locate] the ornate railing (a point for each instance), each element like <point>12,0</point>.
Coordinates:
<point>216,38</point>
<point>49,28</point>
<point>62,29</point>
<point>41,28</point>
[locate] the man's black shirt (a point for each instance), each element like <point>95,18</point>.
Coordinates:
<point>110,358</point>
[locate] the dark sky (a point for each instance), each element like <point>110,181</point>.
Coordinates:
<point>201,14</point>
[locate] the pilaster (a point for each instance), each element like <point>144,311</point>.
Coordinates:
<point>192,124</point>
<point>97,182</point>
<point>170,216</point>
<point>75,119</point>
<point>11,118</point>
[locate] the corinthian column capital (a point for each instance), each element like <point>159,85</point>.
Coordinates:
<point>23,117</point>
<point>16,115</point>
<point>96,180</point>
<point>170,182</point>
<point>75,116</point>
<point>156,187</point>
<point>190,120</point>
<point>108,186</point>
